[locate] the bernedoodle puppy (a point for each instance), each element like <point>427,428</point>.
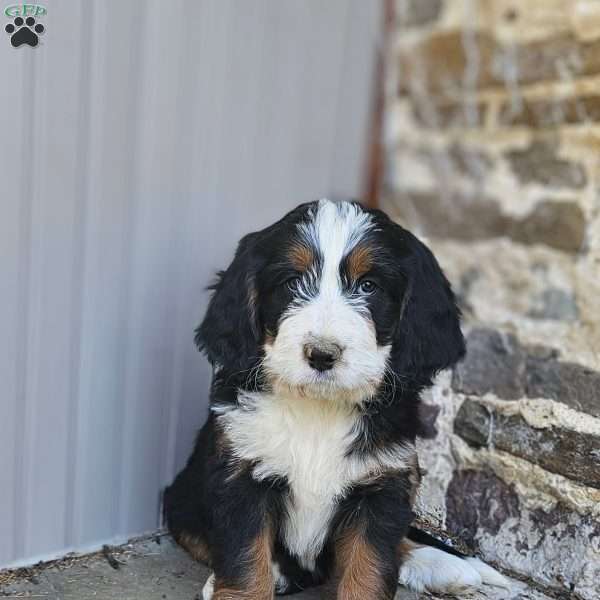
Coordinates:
<point>322,333</point>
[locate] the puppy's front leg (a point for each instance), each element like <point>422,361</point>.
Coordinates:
<point>243,539</point>
<point>248,575</point>
<point>373,520</point>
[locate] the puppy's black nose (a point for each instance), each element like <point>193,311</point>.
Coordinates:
<point>322,356</point>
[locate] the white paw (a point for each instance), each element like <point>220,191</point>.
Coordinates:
<point>433,570</point>
<point>281,581</point>
<point>209,588</point>
<point>488,574</point>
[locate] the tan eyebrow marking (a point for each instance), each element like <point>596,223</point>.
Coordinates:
<point>301,256</point>
<point>360,261</point>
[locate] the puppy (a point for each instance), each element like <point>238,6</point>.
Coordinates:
<point>322,334</point>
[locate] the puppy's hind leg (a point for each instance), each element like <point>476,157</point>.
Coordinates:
<point>432,569</point>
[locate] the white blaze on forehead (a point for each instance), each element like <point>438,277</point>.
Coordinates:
<point>322,309</point>
<point>335,229</point>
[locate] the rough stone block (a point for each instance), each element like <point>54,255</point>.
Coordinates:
<point>555,304</point>
<point>471,162</point>
<point>432,114</point>
<point>539,163</point>
<point>559,548</point>
<point>478,499</point>
<point>447,219</point>
<point>415,13</point>
<point>554,223</point>
<point>557,224</point>
<point>553,112</point>
<point>440,62</point>
<point>550,58</point>
<point>449,61</point>
<point>497,363</point>
<point>570,383</point>
<point>494,364</point>
<point>569,453</point>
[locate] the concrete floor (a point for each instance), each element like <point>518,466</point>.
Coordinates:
<point>153,569</point>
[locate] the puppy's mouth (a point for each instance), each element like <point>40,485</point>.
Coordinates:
<point>323,381</point>
<point>327,386</point>
<point>313,380</point>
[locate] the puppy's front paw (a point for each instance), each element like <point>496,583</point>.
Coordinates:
<point>209,588</point>
<point>282,584</point>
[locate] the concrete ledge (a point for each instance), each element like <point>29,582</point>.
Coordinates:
<point>150,569</point>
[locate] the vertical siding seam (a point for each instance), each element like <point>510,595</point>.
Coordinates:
<point>184,328</point>
<point>86,349</point>
<point>121,515</point>
<point>171,403</point>
<point>22,426</point>
<point>348,13</point>
<point>78,269</point>
<point>38,263</point>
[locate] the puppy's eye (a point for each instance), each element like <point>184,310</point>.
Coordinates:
<point>292,283</point>
<point>366,287</point>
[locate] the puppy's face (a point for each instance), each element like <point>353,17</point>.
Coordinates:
<point>336,301</point>
<point>330,302</point>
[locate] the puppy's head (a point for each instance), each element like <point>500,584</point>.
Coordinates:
<point>335,301</point>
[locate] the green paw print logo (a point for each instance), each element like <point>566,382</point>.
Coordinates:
<point>24,29</point>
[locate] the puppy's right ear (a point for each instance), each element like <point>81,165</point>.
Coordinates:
<point>230,333</point>
<point>428,338</point>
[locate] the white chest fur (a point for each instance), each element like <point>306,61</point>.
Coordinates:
<point>304,440</point>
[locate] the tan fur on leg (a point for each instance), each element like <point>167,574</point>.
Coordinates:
<point>359,569</point>
<point>195,546</point>
<point>257,581</point>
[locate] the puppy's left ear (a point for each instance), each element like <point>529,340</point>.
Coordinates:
<point>230,333</point>
<point>428,338</point>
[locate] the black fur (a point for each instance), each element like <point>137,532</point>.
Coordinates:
<point>413,308</point>
<point>229,333</point>
<point>421,537</point>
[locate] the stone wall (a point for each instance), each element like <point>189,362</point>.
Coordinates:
<point>492,143</point>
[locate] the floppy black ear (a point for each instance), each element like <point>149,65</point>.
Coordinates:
<point>428,338</point>
<point>229,333</point>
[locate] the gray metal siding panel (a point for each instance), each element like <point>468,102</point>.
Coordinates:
<point>138,146</point>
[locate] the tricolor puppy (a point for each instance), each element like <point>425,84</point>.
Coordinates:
<point>322,333</point>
